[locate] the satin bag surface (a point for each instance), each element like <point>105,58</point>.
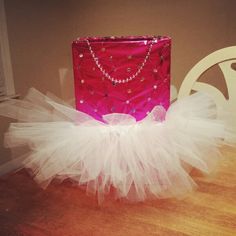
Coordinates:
<point>121,58</point>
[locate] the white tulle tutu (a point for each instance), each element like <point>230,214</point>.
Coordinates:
<point>136,160</point>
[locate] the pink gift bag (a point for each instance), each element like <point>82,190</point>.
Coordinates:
<point>121,74</point>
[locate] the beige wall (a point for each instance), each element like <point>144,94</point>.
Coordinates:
<point>41,32</point>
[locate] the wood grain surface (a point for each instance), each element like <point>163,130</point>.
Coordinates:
<point>64,210</point>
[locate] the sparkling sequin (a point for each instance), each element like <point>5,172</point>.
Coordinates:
<point>127,101</point>
<point>142,79</point>
<point>82,81</point>
<point>95,110</point>
<point>129,91</point>
<point>81,55</point>
<point>155,86</point>
<point>149,99</point>
<point>81,101</point>
<point>155,70</point>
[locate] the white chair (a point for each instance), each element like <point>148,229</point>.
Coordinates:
<point>224,58</point>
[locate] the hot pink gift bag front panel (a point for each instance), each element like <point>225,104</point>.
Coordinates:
<point>121,58</point>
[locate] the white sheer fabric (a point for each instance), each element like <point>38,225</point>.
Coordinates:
<point>137,160</point>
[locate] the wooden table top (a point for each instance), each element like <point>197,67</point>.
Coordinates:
<point>64,210</point>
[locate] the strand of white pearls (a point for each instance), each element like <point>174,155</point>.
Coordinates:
<point>127,79</point>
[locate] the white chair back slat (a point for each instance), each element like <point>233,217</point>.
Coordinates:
<point>224,58</point>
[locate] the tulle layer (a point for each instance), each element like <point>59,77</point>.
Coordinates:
<point>137,160</point>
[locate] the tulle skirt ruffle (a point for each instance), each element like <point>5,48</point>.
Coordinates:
<point>138,160</point>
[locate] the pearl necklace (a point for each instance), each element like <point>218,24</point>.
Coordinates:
<point>127,79</point>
